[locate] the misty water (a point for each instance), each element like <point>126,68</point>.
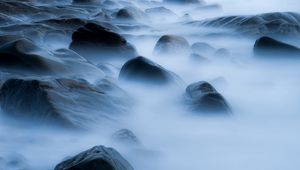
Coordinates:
<point>262,133</point>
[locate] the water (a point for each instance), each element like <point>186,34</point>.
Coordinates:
<point>262,133</point>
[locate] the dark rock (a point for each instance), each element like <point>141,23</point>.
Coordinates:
<point>126,137</point>
<point>96,158</point>
<point>63,102</point>
<point>143,70</point>
<point>271,24</point>
<point>64,23</point>
<point>266,46</point>
<point>203,97</point>
<point>24,57</point>
<point>131,14</point>
<point>172,45</point>
<point>97,43</point>
<point>86,2</point>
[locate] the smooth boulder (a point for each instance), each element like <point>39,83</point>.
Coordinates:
<point>96,158</point>
<point>125,137</point>
<point>171,45</point>
<point>98,44</point>
<point>143,70</point>
<point>202,97</point>
<point>24,57</point>
<point>64,102</point>
<point>266,24</point>
<point>267,46</point>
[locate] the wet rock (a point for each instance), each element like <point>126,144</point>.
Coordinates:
<point>125,137</point>
<point>198,58</point>
<point>202,97</point>
<point>64,23</point>
<point>22,56</point>
<point>160,12</point>
<point>96,158</point>
<point>184,1</point>
<point>271,24</point>
<point>172,45</point>
<point>9,38</point>
<point>109,69</point>
<point>86,2</point>
<point>72,103</point>
<point>97,43</point>
<point>12,161</point>
<point>222,53</point>
<point>129,14</point>
<point>202,48</point>
<point>266,46</point>
<point>17,8</point>
<point>143,70</point>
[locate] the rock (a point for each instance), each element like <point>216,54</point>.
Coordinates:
<point>97,43</point>
<point>64,23</point>
<point>204,98</point>
<point>22,56</point>
<point>63,102</point>
<point>184,1</point>
<point>270,24</point>
<point>160,12</point>
<point>86,2</point>
<point>109,69</point>
<point>129,14</point>
<point>143,70</point>
<point>172,45</point>
<point>266,46</point>
<point>8,38</point>
<point>96,158</point>
<point>198,58</point>
<point>222,53</point>
<point>125,137</point>
<point>12,161</point>
<point>202,48</point>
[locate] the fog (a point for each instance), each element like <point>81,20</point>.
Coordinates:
<point>262,133</point>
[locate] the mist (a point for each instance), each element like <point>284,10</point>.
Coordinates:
<point>261,133</point>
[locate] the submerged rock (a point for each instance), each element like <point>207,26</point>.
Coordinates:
<point>172,45</point>
<point>271,24</point>
<point>97,43</point>
<point>184,2</point>
<point>143,70</point>
<point>65,102</point>
<point>203,97</point>
<point>266,46</point>
<point>129,14</point>
<point>86,2</point>
<point>24,57</point>
<point>202,48</point>
<point>96,158</point>
<point>125,137</point>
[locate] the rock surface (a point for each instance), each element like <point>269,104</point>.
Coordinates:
<point>125,137</point>
<point>172,45</point>
<point>266,46</point>
<point>271,24</point>
<point>62,101</point>
<point>96,158</point>
<point>202,97</point>
<point>143,70</point>
<point>97,43</point>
